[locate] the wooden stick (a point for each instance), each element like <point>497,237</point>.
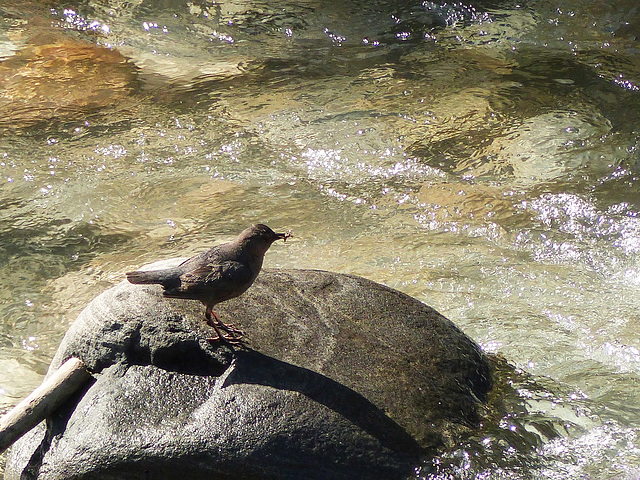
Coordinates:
<point>44,400</point>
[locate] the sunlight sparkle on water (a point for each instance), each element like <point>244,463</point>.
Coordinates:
<point>29,343</point>
<point>577,231</point>
<point>73,20</point>
<point>584,456</point>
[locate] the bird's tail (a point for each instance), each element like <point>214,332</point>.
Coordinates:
<point>163,277</point>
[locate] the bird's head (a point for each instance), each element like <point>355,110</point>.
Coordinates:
<point>258,238</point>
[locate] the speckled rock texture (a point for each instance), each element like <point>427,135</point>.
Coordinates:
<point>340,378</point>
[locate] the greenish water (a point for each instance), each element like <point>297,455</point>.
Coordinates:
<point>484,160</point>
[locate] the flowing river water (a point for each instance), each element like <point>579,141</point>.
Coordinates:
<point>481,158</point>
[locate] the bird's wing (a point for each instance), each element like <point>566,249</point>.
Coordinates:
<point>217,281</point>
<point>211,274</point>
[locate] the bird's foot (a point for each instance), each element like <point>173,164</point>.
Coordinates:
<point>227,333</point>
<point>216,323</point>
<point>231,328</point>
<point>230,337</point>
<point>226,339</point>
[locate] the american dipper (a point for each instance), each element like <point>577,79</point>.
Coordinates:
<point>219,274</point>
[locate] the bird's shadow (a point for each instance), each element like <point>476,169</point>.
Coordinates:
<point>255,368</point>
<point>252,367</point>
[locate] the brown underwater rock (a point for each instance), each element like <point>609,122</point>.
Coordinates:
<point>60,79</point>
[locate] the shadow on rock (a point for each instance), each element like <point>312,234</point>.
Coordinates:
<point>258,369</point>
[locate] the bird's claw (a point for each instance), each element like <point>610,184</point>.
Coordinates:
<point>226,339</point>
<point>227,333</point>
<point>231,328</point>
<point>231,336</point>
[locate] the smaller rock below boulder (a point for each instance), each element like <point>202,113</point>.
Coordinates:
<point>341,378</point>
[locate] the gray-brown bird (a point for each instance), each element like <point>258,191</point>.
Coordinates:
<point>221,273</point>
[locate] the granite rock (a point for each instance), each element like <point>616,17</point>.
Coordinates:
<point>340,377</point>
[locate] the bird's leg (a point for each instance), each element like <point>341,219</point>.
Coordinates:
<point>233,334</point>
<point>208,312</point>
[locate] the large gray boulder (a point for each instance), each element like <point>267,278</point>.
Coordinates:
<point>341,377</point>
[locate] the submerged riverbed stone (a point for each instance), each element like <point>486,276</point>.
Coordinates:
<point>341,377</point>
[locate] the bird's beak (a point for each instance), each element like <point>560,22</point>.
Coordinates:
<point>284,236</point>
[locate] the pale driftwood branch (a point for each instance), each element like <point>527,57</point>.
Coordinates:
<point>40,403</point>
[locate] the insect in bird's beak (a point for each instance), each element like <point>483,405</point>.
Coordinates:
<point>284,236</point>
